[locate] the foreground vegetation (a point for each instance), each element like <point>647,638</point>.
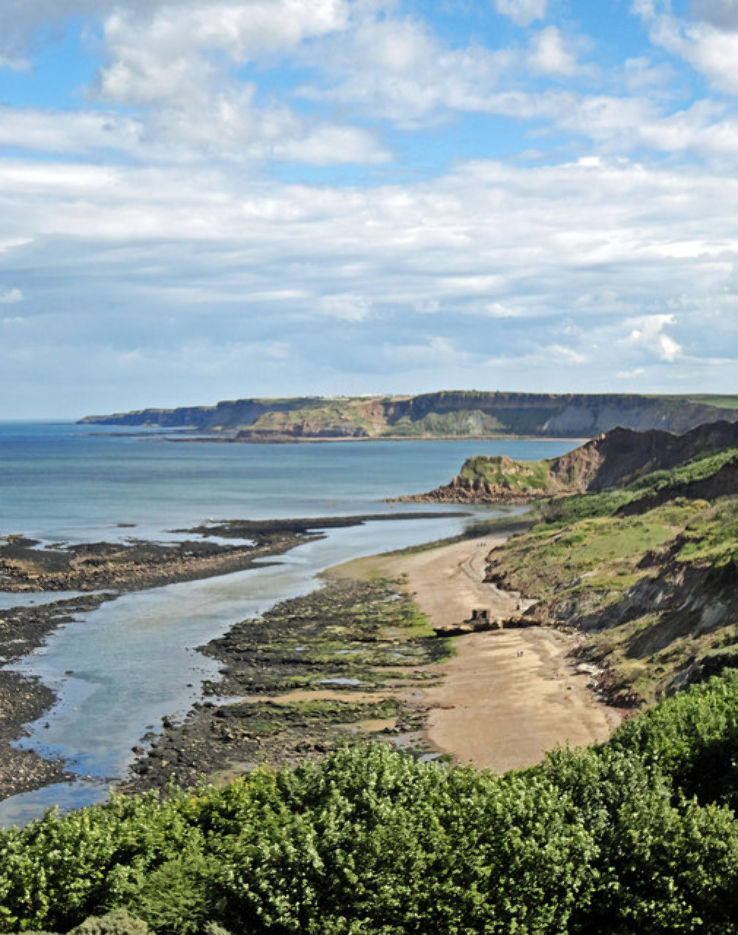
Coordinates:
<point>624,838</point>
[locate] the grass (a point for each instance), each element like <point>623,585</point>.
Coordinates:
<point>500,471</point>
<point>553,557</point>
<point>569,509</point>
<point>584,559</point>
<point>720,402</point>
<point>712,536</point>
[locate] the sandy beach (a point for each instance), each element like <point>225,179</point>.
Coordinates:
<point>507,696</point>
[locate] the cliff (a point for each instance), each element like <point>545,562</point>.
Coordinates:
<point>645,563</point>
<point>615,458</point>
<point>435,415</point>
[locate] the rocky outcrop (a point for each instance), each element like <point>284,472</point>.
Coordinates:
<point>615,458</point>
<point>442,414</point>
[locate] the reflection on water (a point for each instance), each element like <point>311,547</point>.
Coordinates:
<point>125,665</point>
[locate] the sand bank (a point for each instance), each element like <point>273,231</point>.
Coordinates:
<point>507,696</point>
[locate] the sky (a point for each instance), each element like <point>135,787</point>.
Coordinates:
<point>213,199</point>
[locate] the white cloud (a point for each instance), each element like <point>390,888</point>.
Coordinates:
<point>346,307</point>
<point>500,310</point>
<point>483,249</point>
<point>172,65</point>
<point>11,296</point>
<point>398,69</point>
<point>522,12</point>
<point>708,42</point>
<point>240,27</point>
<point>562,354</point>
<point>647,332</point>
<point>549,54</point>
<point>331,145</point>
<point>167,54</point>
<point>68,132</point>
<point>235,130</point>
<point>702,128</point>
<point>158,246</point>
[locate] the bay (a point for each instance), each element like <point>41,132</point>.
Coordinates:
<point>117,670</point>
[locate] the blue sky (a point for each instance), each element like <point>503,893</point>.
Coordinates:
<point>207,199</point>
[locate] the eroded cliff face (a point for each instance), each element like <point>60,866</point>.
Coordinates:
<point>676,625</point>
<point>648,572</point>
<point>613,459</point>
<point>443,414</point>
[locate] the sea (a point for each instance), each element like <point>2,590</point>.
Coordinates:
<point>119,669</point>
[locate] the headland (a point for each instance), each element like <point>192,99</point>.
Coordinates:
<point>443,415</point>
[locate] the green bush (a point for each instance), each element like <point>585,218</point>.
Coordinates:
<point>664,864</point>
<point>635,836</point>
<point>692,738</point>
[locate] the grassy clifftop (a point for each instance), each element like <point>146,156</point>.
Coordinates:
<point>444,414</point>
<point>616,458</point>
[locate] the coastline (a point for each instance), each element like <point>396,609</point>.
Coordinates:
<point>24,699</point>
<point>352,660</point>
<point>497,699</point>
<point>507,696</point>
<point>119,569</point>
<point>314,440</point>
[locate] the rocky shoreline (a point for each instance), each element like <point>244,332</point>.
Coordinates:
<point>343,663</point>
<point>131,566</point>
<point>24,699</point>
<point>470,494</point>
<point>115,567</point>
<point>137,564</point>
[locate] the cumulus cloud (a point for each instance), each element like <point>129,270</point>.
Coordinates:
<point>158,244</point>
<point>176,63</point>
<point>549,54</point>
<point>477,252</point>
<point>20,20</point>
<point>237,27</point>
<point>166,53</point>
<point>647,332</point>
<point>522,12</point>
<point>708,41</point>
<point>398,69</point>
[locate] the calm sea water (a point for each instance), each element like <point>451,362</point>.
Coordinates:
<point>133,659</point>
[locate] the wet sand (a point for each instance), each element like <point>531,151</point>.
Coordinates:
<point>508,695</point>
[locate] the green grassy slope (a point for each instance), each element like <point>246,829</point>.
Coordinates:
<point>649,572</point>
<point>702,459</point>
